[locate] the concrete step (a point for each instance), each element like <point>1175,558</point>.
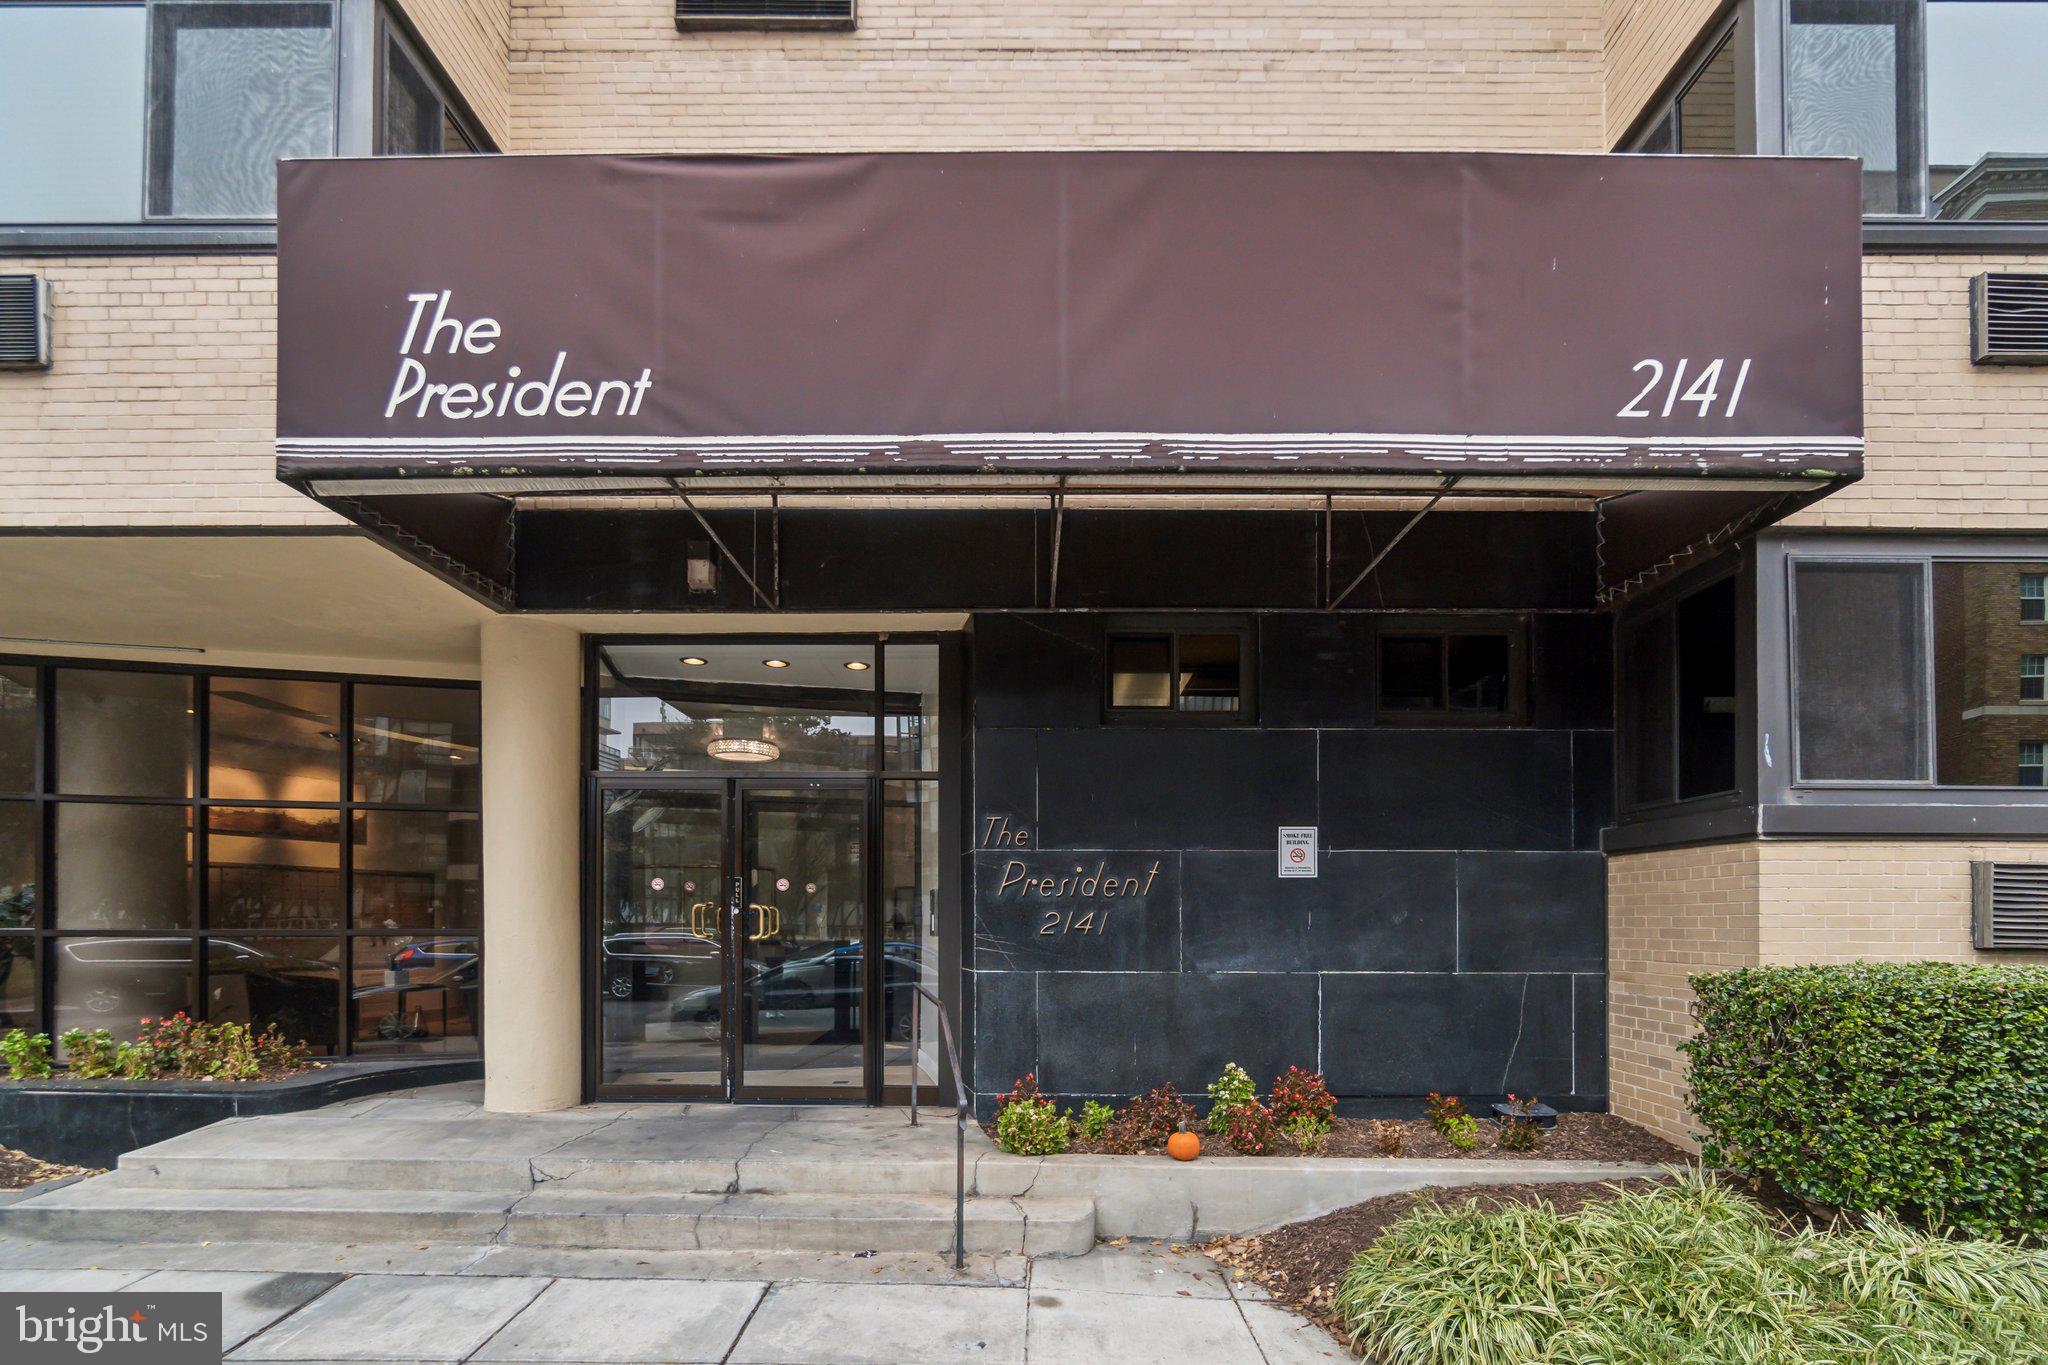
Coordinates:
<point>108,1209</point>
<point>766,1174</point>
<point>553,1217</point>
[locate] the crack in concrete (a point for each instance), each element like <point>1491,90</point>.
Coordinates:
<point>1521,1023</point>
<point>748,1151</point>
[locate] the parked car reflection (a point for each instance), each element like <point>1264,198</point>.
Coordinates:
<point>826,979</point>
<point>644,964</point>
<point>112,982</point>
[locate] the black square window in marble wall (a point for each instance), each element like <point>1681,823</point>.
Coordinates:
<point>1436,672</point>
<point>1190,676</point>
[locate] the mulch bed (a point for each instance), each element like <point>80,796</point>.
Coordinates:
<point>1577,1137</point>
<point>1301,1263</point>
<point>19,1170</point>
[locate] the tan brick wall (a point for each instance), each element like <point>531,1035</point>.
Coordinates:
<point>1766,903</point>
<point>161,408</point>
<point>1951,445</point>
<point>1669,914</point>
<point>1645,40</point>
<point>469,39</point>
<point>1525,74</point>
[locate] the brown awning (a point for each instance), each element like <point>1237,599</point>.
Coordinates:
<point>498,325</point>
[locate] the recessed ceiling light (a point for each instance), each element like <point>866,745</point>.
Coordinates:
<point>776,663</point>
<point>692,660</point>
<point>857,665</point>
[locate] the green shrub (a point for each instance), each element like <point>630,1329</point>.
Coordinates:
<point>1028,1124</point>
<point>92,1055</point>
<point>1685,1274</point>
<point>1915,1089</point>
<point>1228,1093</point>
<point>1303,1098</point>
<point>1095,1119</point>
<point>1517,1135</point>
<point>1305,1133</point>
<point>1447,1113</point>
<point>27,1054</point>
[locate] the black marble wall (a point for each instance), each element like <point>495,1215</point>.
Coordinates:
<point>1454,941</point>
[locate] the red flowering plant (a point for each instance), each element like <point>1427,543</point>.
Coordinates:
<point>1249,1130</point>
<point>1302,1102</point>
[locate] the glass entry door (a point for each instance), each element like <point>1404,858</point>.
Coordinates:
<point>732,920</point>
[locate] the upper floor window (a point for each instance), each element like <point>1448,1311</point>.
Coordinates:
<point>130,112</point>
<point>1701,119</point>
<point>174,109</point>
<point>2034,677</point>
<point>2034,597</point>
<point>1942,99</point>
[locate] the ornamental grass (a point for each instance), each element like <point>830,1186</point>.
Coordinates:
<point>1689,1273</point>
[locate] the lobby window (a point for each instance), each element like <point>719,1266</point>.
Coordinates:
<point>1941,99</point>
<point>1197,674</point>
<point>294,850</point>
<point>1437,672</point>
<point>1904,671</point>
<point>1679,711</point>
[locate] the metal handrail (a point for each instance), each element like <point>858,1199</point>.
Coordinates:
<point>961,1107</point>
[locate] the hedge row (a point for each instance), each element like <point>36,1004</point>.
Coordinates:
<point>1917,1088</point>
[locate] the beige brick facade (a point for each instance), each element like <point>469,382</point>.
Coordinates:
<point>1645,42</point>
<point>1766,903</point>
<point>1525,75</point>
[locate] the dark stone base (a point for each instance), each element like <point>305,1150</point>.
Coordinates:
<point>91,1123</point>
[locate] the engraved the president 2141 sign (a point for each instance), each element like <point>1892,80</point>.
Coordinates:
<point>1082,891</point>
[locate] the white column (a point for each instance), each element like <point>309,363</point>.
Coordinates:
<point>532,785</point>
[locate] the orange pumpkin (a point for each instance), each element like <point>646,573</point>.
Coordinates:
<point>1183,1146</point>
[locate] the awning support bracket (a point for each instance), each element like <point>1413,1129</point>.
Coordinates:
<point>1450,482</point>
<point>1059,521</point>
<point>724,549</point>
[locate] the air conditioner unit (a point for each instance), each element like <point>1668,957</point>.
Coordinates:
<point>24,322</point>
<point>2009,319</point>
<point>2009,905</point>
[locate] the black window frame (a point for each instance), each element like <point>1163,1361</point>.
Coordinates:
<point>1513,627</point>
<point>47,799</point>
<point>1173,628</point>
<point>1659,611</point>
<point>391,31</point>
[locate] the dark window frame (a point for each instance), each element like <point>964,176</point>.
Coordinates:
<point>1650,612</point>
<point>1513,627</point>
<point>1173,628</point>
<point>47,800</point>
<point>391,30</point>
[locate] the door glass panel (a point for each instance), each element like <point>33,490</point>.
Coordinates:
<point>801,994</point>
<point>910,933</point>
<point>661,917</point>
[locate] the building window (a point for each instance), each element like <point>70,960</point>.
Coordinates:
<point>415,116</point>
<point>1199,674</point>
<point>1678,698</point>
<point>1438,672</point>
<point>2033,597</point>
<point>169,110</point>
<point>211,842</point>
<point>1941,99</point>
<point>1903,672</point>
<point>2033,764</point>
<point>1701,119</point>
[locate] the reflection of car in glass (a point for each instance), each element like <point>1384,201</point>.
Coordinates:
<point>436,962</point>
<point>644,964</point>
<point>122,979</point>
<point>419,971</point>
<point>829,978</point>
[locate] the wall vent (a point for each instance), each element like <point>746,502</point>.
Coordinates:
<point>2009,320</point>
<point>24,322</point>
<point>2009,903</point>
<point>764,13</point>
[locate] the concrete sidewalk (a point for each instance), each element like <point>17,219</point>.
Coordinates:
<point>309,1302</point>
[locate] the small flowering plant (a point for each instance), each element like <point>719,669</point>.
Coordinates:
<point>1228,1093</point>
<point>1028,1124</point>
<point>1250,1130</point>
<point>1302,1099</point>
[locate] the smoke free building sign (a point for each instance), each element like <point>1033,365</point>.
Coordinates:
<point>1297,850</point>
